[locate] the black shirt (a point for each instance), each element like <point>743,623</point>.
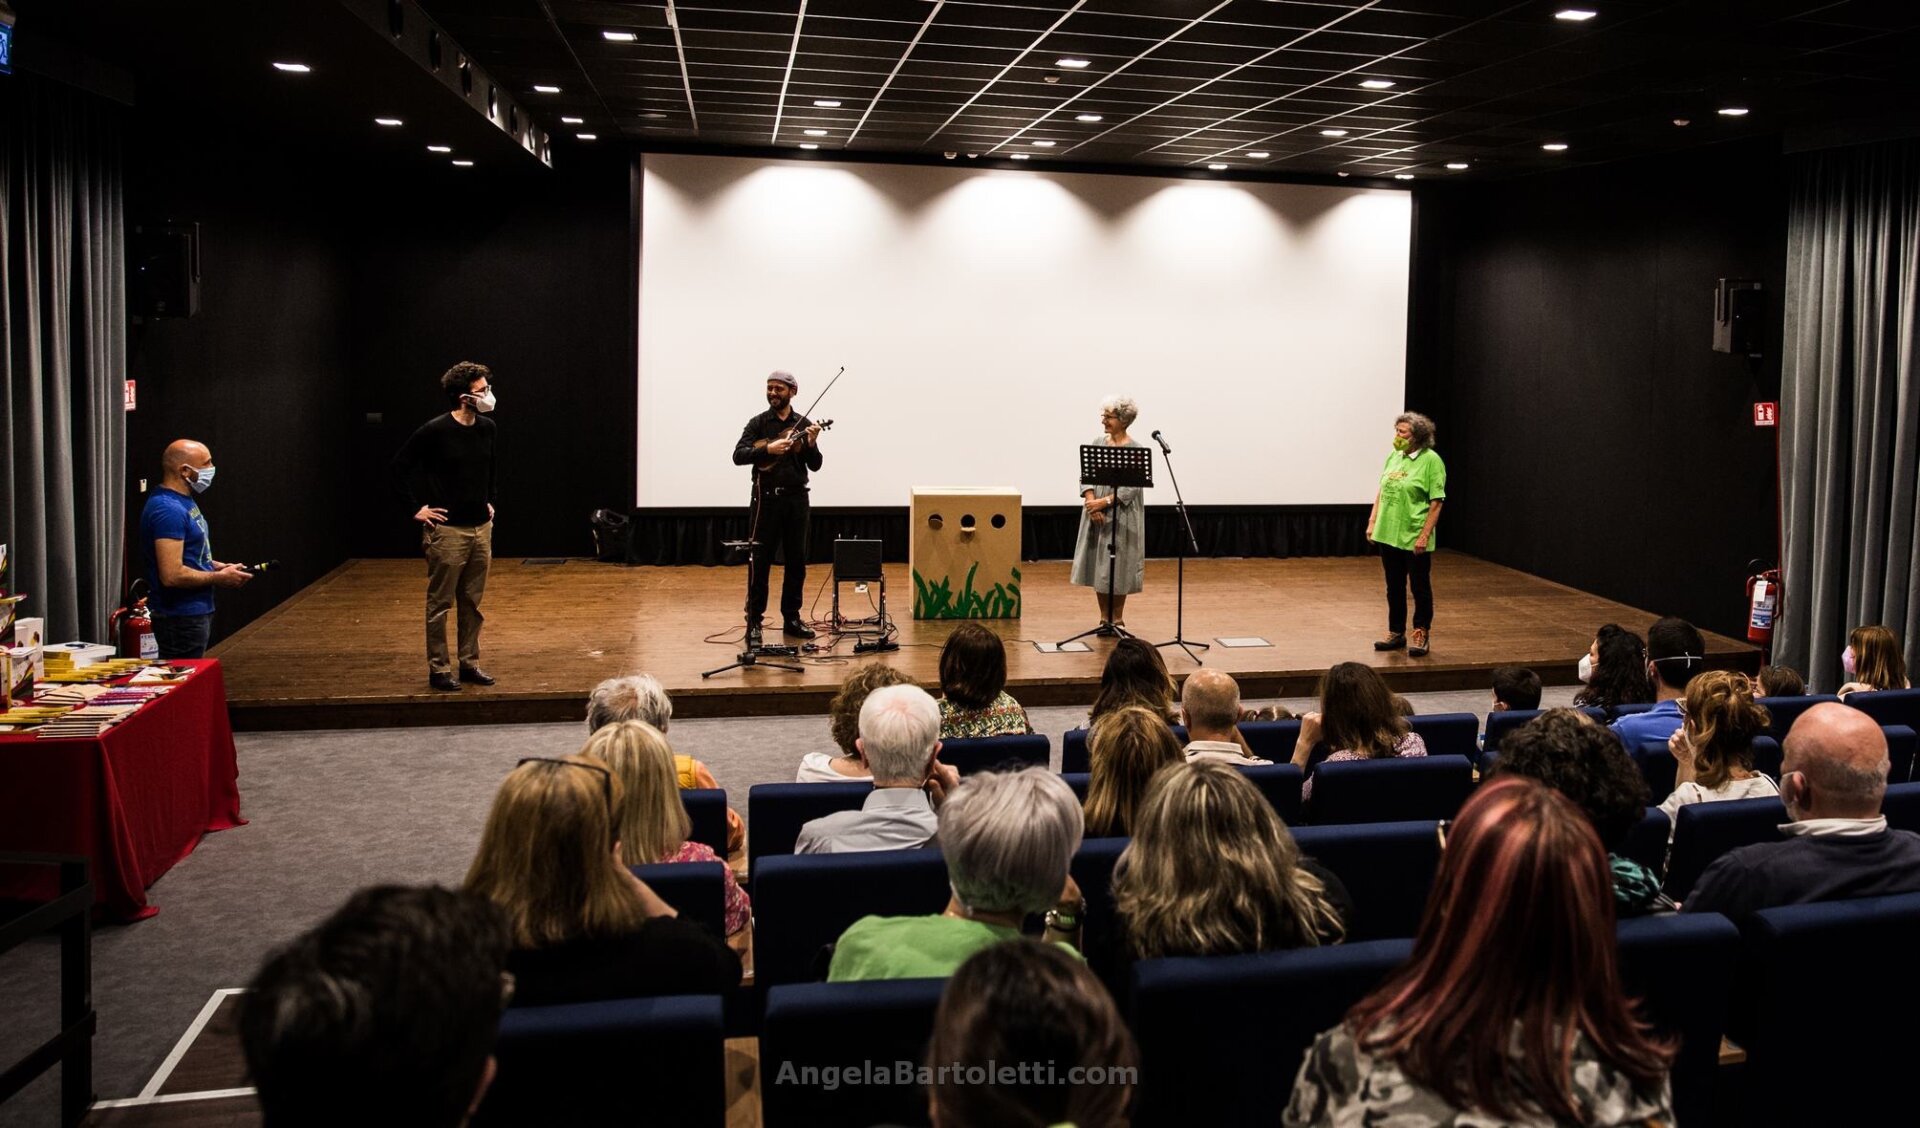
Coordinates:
<point>788,471</point>
<point>1806,868</point>
<point>450,466</point>
<point>665,956</point>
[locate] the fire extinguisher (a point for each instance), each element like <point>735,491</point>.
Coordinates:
<point>1764,596</point>
<point>132,626</point>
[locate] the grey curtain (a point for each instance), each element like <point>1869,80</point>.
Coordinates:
<point>63,352</point>
<point>1850,405</point>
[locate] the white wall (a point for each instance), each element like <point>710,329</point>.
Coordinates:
<point>983,314</point>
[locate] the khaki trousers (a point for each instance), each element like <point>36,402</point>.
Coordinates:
<point>457,562</point>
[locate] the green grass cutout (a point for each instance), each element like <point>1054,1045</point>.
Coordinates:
<point>938,601</point>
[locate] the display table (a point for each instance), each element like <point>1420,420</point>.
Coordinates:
<point>134,800</point>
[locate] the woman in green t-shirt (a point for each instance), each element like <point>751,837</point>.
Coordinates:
<point>1413,484</point>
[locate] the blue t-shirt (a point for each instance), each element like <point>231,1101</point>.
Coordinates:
<point>1656,724</point>
<point>172,516</point>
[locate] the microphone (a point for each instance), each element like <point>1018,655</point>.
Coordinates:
<point>1164,448</point>
<point>263,566</point>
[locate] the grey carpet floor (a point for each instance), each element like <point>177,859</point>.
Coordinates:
<point>330,812</point>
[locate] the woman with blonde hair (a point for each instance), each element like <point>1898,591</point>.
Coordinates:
<point>584,927</point>
<point>1213,871</point>
<point>1872,659</point>
<point>652,822</point>
<point>1125,750</point>
<point>1713,747</point>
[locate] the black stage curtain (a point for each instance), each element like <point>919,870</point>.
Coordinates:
<point>694,536</point>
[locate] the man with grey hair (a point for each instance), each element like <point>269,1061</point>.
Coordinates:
<point>900,740</point>
<point>1008,839</point>
<point>1210,706</point>
<point>1838,845</point>
<point>634,697</point>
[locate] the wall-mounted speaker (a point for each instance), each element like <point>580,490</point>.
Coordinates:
<point>1739,309</point>
<point>164,261</point>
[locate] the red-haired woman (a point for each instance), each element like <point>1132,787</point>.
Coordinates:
<point>1510,1010</point>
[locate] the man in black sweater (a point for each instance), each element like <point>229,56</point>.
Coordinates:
<point>1838,845</point>
<point>782,447</point>
<point>447,467</point>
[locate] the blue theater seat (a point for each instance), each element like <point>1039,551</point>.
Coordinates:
<point>1073,747</point>
<point>777,811</point>
<point>1647,844</point>
<point>1902,806</point>
<point>707,807</point>
<point>1079,781</point>
<point>1704,831</point>
<point>1766,757</point>
<point>1902,743</point>
<point>1657,766</point>
<point>589,1063</point>
<point>1783,711</point>
<point>1271,740</point>
<point>1280,783</point>
<point>991,753</point>
<point>1448,734</point>
<point>1619,711</point>
<point>1501,723</point>
<point>1663,962</point>
<point>1889,706</point>
<point>1391,790</point>
<point>697,890</point>
<point>803,902</point>
<point>1092,870</point>
<point>1388,869</point>
<point>829,1026</point>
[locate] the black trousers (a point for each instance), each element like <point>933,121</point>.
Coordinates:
<point>1403,566</point>
<point>783,526</point>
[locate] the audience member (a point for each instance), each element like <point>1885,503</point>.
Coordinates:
<point>385,1013</point>
<point>1675,653</point>
<point>641,697</point>
<point>1134,674</point>
<point>1614,670</point>
<point>1402,707</point>
<point>583,926</point>
<point>1510,1010</point>
<point>1781,681</point>
<point>973,685</point>
<point>1515,687</point>
<point>1356,720</point>
<point>1583,760</point>
<point>1838,845</point>
<point>1872,660</point>
<point>1008,839</point>
<point>1713,747</point>
<point>652,822</point>
<point>843,716</point>
<point>1210,706</point>
<point>1212,871</point>
<point>1125,750</point>
<point>1033,1004</point>
<point>900,740</point>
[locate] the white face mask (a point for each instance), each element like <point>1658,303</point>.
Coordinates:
<point>202,478</point>
<point>1586,668</point>
<point>484,402</point>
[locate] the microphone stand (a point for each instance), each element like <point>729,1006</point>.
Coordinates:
<point>751,652</point>
<point>1180,582</point>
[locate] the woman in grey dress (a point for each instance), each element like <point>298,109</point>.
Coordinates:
<point>1123,507</point>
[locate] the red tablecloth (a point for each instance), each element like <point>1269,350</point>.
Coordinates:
<point>135,800</point>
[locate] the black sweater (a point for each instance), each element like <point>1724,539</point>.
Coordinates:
<point>450,466</point>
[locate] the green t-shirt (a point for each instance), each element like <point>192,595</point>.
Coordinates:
<point>1408,488</point>
<point>915,947</point>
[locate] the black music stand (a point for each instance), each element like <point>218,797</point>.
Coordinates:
<point>1116,466</point>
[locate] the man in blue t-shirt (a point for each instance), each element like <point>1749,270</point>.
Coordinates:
<point>181,570</point>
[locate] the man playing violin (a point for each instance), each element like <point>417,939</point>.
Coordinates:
<point>782,447</point>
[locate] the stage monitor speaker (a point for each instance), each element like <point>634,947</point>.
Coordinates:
<point>1738,314</point>
<point>165,263</point>
<point>856,559</point>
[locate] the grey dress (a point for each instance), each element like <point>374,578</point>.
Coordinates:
<point>1090,552</point>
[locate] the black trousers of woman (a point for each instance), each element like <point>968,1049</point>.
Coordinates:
<point>1403,567</point>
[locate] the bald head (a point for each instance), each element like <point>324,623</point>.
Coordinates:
<point>184,452</point>
<point>1835,765</point>
<point>1210,702</point>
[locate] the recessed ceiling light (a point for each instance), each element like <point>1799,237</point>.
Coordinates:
<point>808,145</point>
<point>1073,63</point>
<point>1555,146</point>
<point>292,68</point>
<point>1021,156</point>
<point>588,136</point>
<point>1376,84</point>
<point>1043,144</point>
<point>1259,156</point>
<point>463,164</point>
<point>1342,174</point>
<point>539,89</point>
<point>1088,118</point>
<point>388,121</point>
<point>1218,167</point>
<point>1403,176</point>
<point>1575,15</point>
<point>573,121</point>
<point>1734,111</point>
<point>827,103</point>
<point>1457,165</point>
<point>618,36</point>
<point>654,115</point>
<point>1333,133</point>
<point>439,148</point>
<point>814,132</point>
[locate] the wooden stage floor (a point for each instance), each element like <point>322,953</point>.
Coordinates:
<point>349,650</point>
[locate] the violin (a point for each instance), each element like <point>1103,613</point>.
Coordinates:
<point>791,434</point>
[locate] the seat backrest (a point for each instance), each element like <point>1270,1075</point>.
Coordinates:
<point>1902,806</point>
<point>1704,831</point>
<point>1221,1037</point>
<point>777,811</point>
<point>1092,870</point>
<point>1388,869</point>
<point>1501,723</point>
<point>1079,781</point>
<point>697,890</point>
<point>1662,958</point>
<point>995,753</point>
<point>1647,843</point>
<point>1391,790</point>
<point>1281,784</point>
<point>812,1032</point>
<point>582,1063</point>
<point>1618,711</point>
<point>1783,711</point>
<point>1448,734</point>
<point>707,808</point>
<point>1902,744</point>
<point>1074,757</point>
<point>1889,706</point>
<point>1657,766</point>
<point>803,902</point>
<point>1767,757</point>
<point>1271,740</point>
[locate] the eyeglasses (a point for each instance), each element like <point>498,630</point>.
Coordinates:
<point>606,783</point>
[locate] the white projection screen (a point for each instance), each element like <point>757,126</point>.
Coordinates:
<point>982,315</point>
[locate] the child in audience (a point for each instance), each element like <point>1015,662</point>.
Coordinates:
<point>1873,661</point>
<point>1125,750</point>
<point>1357,720</point>
<point>1781,681</point>
<point>843,717</point>
<point>1713,746</point>
<point>1515,687</point>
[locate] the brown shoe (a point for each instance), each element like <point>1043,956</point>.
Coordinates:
<point>1417,645</point>
<point>1391,642</point>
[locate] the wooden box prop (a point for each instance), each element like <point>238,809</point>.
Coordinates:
<point>964,552</point>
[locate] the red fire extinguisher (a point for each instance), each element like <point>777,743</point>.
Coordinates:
<point>132,626</point>
<point>1764,595</point>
